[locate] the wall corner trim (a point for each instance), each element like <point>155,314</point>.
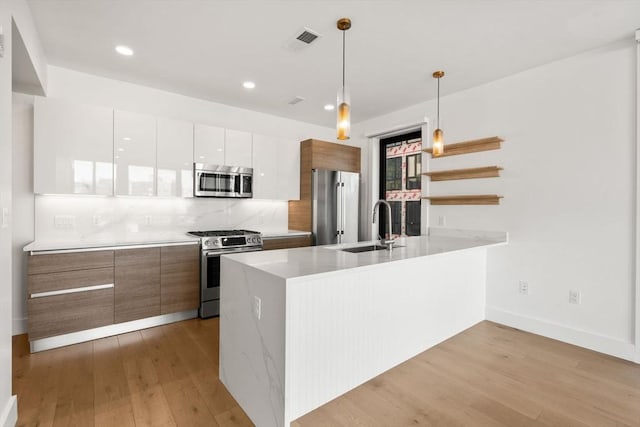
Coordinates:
<point>9,415</point>
<point>592,341</point>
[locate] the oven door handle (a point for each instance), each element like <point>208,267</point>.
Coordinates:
<point>218,252</point>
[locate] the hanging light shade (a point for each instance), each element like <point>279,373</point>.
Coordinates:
<point>343,126</point>
<point>438,136</point>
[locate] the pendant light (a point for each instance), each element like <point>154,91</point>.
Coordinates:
<point>438,136</point>
<point>343,126</point>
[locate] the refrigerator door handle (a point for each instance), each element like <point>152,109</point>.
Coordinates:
<point>343,214</point>
<point>339,207</point>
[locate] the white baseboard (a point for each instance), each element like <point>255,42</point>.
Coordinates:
<point>9,415</point>
<point>602,344</point>
<point>19,326</point>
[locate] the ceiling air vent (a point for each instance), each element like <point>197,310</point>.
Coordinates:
<point>296,100</point>
<point>302,38</point>
<point>307,36</point>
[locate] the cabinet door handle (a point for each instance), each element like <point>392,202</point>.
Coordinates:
<point>71,291</point>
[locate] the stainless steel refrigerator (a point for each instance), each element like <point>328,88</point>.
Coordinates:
<point>335,206</point>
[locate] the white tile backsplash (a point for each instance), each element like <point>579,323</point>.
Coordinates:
<point>95,217</point>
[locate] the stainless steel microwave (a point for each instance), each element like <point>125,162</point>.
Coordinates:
<point>222,181</point>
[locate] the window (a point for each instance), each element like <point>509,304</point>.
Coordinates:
<point>394,174</point>
<point>414,169</point>
<point>400,183</point>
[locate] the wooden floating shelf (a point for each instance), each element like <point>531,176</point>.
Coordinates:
<point>466,147</point>
<point>471,173</point>
<point>480,199</point>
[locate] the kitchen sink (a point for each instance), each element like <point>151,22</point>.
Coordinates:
<point>368,248</point>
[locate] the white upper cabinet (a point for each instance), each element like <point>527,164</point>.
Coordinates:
<point>237,148</point>
<point>73,148</point>
<point>208,145</point>
<point>289,169</point>
<point>276,168</point>
<point>265,167</point>
<point>175,158</point>
<point>134,153</point>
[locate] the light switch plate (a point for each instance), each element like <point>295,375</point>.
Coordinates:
<point>5,218</point>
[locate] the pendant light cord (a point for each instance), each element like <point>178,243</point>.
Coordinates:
<point>343,61</point>
<point>438,102</point>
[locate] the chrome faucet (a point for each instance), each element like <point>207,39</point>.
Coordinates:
<point>385,242</point>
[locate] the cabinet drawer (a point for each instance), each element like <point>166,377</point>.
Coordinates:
<point>179,278</point>
<point>286,243</point>
<point>61,314</point>
<point>39,264</point>
<point>38,283</point>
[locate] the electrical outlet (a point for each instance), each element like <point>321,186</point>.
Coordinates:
<point>147,219</point>
<point>575,297</point>
<point>523,287</point>
<point>97,219</point>
<point>257,307</point>
<point>442,221</point>
<point>64,221</point>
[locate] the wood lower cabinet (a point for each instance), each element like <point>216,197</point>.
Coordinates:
<point>73,292</point>
<point>286,243</point>
<point>179,278</point>
<point>137,284</point>
<point>69,293</point>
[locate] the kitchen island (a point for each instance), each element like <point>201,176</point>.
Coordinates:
<point>299,327</point>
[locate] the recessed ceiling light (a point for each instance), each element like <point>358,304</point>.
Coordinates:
<point>121,149</point>
<point>124,50</point>
<point>249,85</point>
<point>126,138</point>
<point>329,107</point>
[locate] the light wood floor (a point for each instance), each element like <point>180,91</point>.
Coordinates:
<point>487,376</point>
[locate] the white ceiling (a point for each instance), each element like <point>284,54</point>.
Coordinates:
<point>207,48</point>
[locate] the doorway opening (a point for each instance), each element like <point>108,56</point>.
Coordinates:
<point>400,183</point>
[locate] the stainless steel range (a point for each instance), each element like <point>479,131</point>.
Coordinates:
<point>213,244</point>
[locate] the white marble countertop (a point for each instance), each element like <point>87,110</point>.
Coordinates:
<point>315,260</point>
<point>114,241</point>
<point>284,234</point>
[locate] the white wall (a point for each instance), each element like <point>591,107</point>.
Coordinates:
<point>90,89</point>
<point>27,28</point>
<point>22,204</point>
<point>568,187</point>
<point>7,407</point>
